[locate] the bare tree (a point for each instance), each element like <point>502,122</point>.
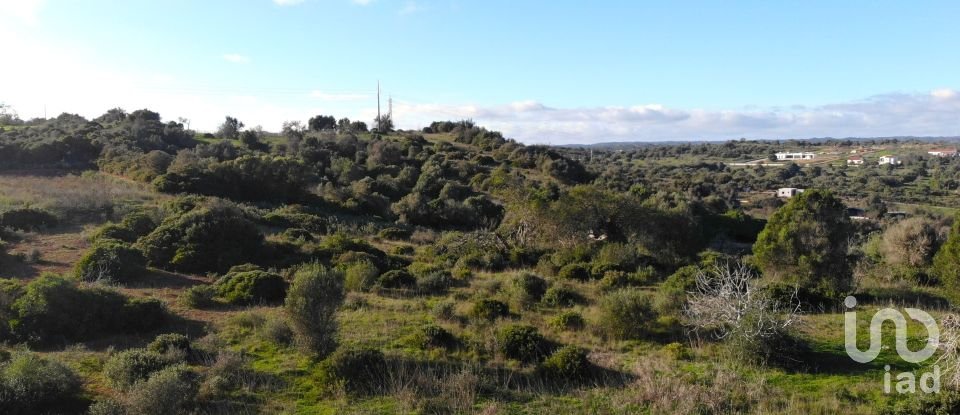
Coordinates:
<point>727,304</point>
<point>950,348</point>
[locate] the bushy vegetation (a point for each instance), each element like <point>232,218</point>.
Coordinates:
<point>205,238</point>
<point>247,284</point>
<point>52,309</point>
<point>627,313</point>
<point>110,261</point>
<point>311,305</point>
<point>32,384</point>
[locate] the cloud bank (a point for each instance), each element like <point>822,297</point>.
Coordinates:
<point>935,113</point>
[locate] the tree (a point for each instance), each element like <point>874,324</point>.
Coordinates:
<point>322,122</point>
<point>230,128</point>
<point>805,244</point>
<point>946,263</point>
<point>384,123</point>
<point>311,306</point>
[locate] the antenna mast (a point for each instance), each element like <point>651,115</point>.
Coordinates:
<point>378,106</point>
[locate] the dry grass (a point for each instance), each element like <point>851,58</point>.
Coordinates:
<point>87,196</point>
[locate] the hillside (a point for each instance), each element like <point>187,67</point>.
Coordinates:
<point>150,269</point>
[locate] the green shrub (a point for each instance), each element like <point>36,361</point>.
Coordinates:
<point>27,219</point>
<point>523,343</point>
<point>599,269</point>
<point>403,250</point>
<point>361,275</point>
<point>107,407</point>
<point>395,234</point>
<point>168,391</point>
<point>627,313</point>
<point>561,296</point>
<point>444,310</point>
<point>243,286</point>
<point>139,224</point>
<point>311,306</point>
<point>568,320</point>
<point>205,239</point>
<point>301,234</point>
<point>677,351</point>
<point>622,256</point>
<point>111,261</point>
<point>396,279</point>
<point>530,288</point>
<point>489,310</point>
<point>170,341</point>
<point>32,384</point>
<point>128,367</point>
<point>672,293</point>
<point>277,331</point>
<point>578,271</point>
<point>113,231</point>
<point>56,309</point>
<point>569,364</point>
<point>360,370</point>
<point>199,296</point>
<point>436,336</point>
<point>435,283</point>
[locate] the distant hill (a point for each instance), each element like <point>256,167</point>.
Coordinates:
<point>623,145</point>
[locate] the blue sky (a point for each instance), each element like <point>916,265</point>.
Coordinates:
<point>541,71</point>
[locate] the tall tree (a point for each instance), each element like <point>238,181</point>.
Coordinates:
<point>805,244</point>
<point>322,122</point>
<point>230,128</point>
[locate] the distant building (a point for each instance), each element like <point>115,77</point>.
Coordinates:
<point>796,156</point>
<point>788,192</point>
<point>889,160</point>
<point>855,160</point>
<point>857,214</point>
<point>943,152</point>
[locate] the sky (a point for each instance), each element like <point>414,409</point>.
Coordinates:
<point>540,71</point>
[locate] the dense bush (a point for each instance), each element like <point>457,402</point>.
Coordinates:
<point>55,309</point>
<point>248,286</point>
<point>361,370</point>
<point>577,271</point>
<point>568,320</point>
<point>672,294</point>
<point>30,384</point>
<point>206,238</point>
<point>489,310</point>
<point>360,275</point>
<point>311,305</point>
<point>530,288</point>
<point>434,283</point>
<point>627,313</point>
<point>168,391</point>
<point>125,369</point>
<point>397,278</point>
<point>567,364</point>
<point>523,343</point>
<point>561,296</point>
<point>170,341</point>
<point>436,336</point>
<point>110,261</point>
<point>396,234</point>
<point>27,219</point>
<point>199,296</point>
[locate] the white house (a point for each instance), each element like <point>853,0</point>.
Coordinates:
<point>856,160</point>
<point>889,160</point>
<point>795,156</point>
<point>943,152</point>
<point>788,192</point>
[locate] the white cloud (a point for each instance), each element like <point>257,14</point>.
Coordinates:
<point>936,113</point>
<point>287,2</point>
<point>410,7</point>
<point>236,58</point>
<point>325,96</point>
<point>26,11</point>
